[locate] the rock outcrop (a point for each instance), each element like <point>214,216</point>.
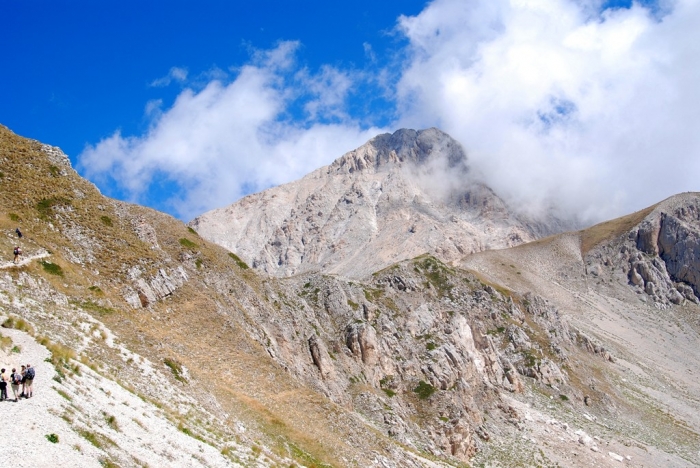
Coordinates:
<point>660,255</point>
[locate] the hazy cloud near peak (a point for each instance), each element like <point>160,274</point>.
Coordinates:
<point>554,105</point>
<point>555,101</point>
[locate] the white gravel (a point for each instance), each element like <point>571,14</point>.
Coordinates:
<point>139,433</point>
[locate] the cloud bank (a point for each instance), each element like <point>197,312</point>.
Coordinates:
<point>556,102</point>
<point>232,138</point>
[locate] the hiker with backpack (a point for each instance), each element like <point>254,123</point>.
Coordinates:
<point>17,252</point>
<point>18,232</point>
<point>28,381</point>
<point>15,381</point>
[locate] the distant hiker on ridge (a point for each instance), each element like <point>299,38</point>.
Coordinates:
<point>17,253</point>
<point>18,232</point>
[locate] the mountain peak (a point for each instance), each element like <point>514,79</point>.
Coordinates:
<point>397,196</point>
<point>403,146</point>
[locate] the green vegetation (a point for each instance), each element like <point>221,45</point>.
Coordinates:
<point>175,368</point>
<point>14,216</point>
<point>182,428</point>
<point>424,390</point>
<point>436,273</point>
<point>198,263</point>
<point>354,305</point>
<point>96,290</point>
<point>111,421</point>
<point>53,438</point>
<point>373,294</point>
<point>60,354</point>
<point>241,264</point>
<point>16,349</point>
<point>187,243</point>
<point>530,358</point>
<point>94,307</point>
<point>192,231</point>
<point>106,220</point>
<point>107,463</point>
<point>384,383</point>
<point>51,268</point>
<point>46,205</point>
<point>55,171</point>
<point>305,457</point>
<point>92,438</point>
<point>430,346</point>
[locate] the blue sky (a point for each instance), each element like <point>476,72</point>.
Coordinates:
<point>586,105</point>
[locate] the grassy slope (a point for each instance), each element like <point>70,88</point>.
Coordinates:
<point>201,328</point>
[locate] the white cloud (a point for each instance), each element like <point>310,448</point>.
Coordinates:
<point>552,99</point>
<point>229,138</point>
<point>596,112</point>
<point>175,74</point>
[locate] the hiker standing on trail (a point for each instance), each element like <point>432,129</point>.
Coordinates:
<point>18,232</point>
<point>28,387</point>
<point>24,379</point>
<point>3,385</point>
<point>17,252</point>
<point>16,381</point>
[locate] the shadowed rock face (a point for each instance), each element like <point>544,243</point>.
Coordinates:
<point>679,247</point>
<point>396,197</point>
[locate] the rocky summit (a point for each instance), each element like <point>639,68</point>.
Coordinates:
<point>155,347</point>
<point>398,196</point>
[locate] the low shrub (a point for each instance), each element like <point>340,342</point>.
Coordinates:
<point>424,390</point>
<point>51,268</point>
<point>175,368</point>
<point>187,243</point>
<point>241,264</point>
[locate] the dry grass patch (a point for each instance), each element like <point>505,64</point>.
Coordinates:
<point>610,229</point>
<point>18,323</point>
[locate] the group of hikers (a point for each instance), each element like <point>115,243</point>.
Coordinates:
<point>24,379</point>
<point>18,249</point>
<point>21,382</point>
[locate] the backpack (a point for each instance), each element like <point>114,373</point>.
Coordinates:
<point>30,373</point>
<point>16,378</point>
<point>16,250</point>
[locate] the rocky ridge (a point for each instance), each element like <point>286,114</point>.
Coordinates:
<point>396,197</point>
<point>524,358</point>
